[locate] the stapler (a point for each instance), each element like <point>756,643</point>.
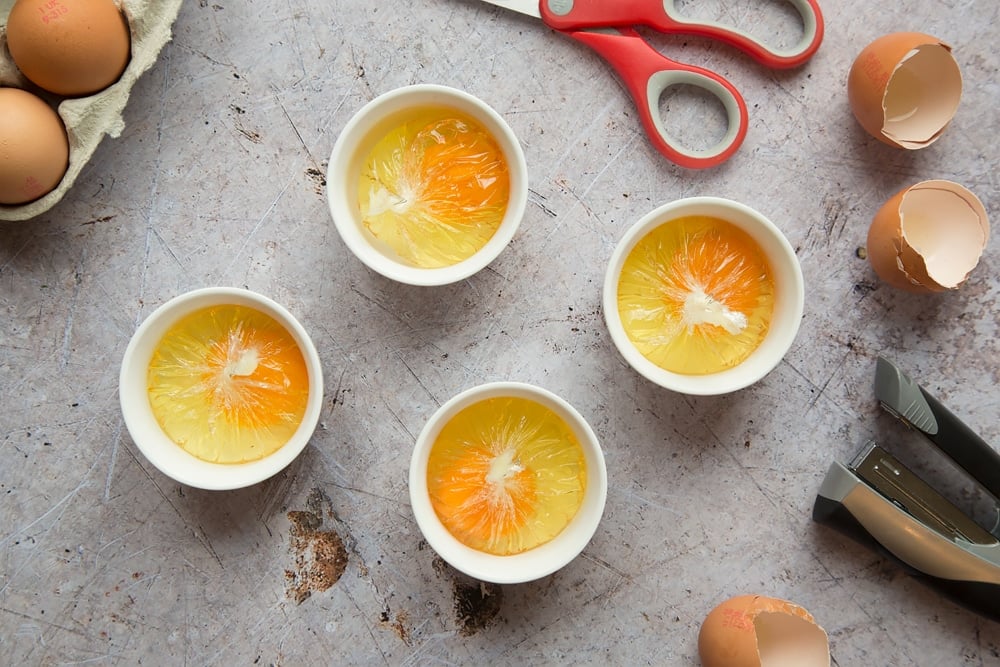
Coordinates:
<point>878,501</point>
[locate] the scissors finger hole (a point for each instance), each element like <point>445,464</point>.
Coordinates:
<point>778,24</point>
<point>697,119</point>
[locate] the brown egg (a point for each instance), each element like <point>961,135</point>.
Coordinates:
<point>928,237</point>
<point>904,89</point>
<point>69,47</point>
<point>34,149</point>
<point>755,630</point>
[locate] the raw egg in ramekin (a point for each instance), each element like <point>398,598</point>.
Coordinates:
<point>427,184</point>
<point>928,237</point>
<point>904,89</point>
<point>219,359</point>
<point>756,630</point>
<point>507,482</point>
<point>703,296</point>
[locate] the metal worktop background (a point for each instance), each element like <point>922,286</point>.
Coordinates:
<point>218,179</point>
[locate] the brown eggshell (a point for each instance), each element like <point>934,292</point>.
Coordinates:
<point>928,237</point>
<point>69,47</point>
<point>750,630</point>
<point>89,119</point>
<point>884,245</point>
<point>904,89</point>
<point>34,148</point>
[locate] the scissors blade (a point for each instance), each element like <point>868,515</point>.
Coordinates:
<point>529,7</point>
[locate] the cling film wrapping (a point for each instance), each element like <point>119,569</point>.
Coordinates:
<point>505,475</point>
<point>228,384</point>
<point>696,295</point>
<point>435,188</point>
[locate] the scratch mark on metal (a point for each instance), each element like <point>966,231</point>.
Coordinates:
<point>43,621</point>
<point>199,533</point>
<point>606,565</point>
<point>368,627</point>
<point>398,420</point>
<point>587,131</point>
<point>154,186</point>
<point>59,505</point>
<point>539,201</point>
<point>295,129</point>
<point>257,227</point>
<point>415,376</point>
<point>116,442</point>
<point>614,159</point>
<point>64,356</point>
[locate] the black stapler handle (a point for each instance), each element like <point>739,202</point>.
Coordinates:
<point>881,503</point>
<point>907,400</point>
<point>967,573</point>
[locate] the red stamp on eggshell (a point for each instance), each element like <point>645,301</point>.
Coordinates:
<point>733,618</point>
<point>32,187</point>
<point>875,69</point>
<point>52,10</point>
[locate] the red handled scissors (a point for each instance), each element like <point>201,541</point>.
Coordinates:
<point>606,27</point>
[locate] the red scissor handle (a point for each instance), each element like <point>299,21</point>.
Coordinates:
<point>647,74</point>
<point>662,15</point>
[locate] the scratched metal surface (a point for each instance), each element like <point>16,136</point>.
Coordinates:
<point>217,180</point>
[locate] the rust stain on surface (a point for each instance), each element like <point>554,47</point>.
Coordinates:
<point>477,604</point>
<point>397,623</point>
<point>318,179</point>
<point>320,555</point>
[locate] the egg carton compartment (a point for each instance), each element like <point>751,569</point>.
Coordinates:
<point>89,119</point>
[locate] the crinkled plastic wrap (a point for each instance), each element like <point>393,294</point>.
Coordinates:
<point>228,384</point>
<point>506,475</point>
<point>696,295</point>
<point>89,119</point>
<point>435,188</point>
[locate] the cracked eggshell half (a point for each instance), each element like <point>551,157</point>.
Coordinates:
<point>756,630</point>
<point>904,89</point>
<point>928,237</point>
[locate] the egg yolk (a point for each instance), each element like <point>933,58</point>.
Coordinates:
<point>435,188</point>
<point>695,295</point>
<point>228,384</point>
<point>506,475</point>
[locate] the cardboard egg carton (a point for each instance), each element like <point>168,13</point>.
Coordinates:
<point>89,119</point>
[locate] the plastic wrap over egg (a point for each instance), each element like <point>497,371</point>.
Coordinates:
<point>758,631</point>
<point>904,89</point>
<point>928,237</point>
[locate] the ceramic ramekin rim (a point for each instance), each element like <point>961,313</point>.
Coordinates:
<point>153,443</point>
<point>534,563</point>
<point>340,198</point>
<point>789,304</point>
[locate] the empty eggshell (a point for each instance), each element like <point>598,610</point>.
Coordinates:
<point>904,89</point>
<point>928,237</point>
<point>759,631</point>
